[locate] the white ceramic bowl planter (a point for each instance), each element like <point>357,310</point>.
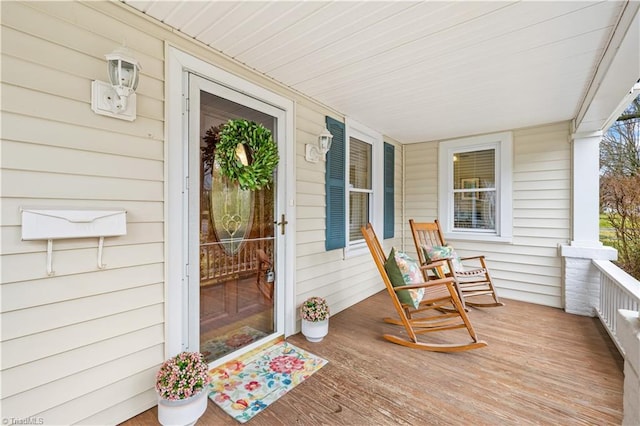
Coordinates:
<point>315,331</point>
<point>315,318</point>
<point>182,384</point>
<point>183,412</point>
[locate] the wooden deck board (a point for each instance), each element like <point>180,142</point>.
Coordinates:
<point>542,366</point>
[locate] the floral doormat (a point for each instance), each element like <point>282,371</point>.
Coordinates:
<point>244,388</point>
<point>229,342</point>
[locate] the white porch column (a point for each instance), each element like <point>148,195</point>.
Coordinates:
<point>580,278</point>
<point>585,199</point>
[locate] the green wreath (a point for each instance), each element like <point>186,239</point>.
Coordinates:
<point>246,153</point>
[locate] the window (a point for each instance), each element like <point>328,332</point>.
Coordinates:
<point>355,190</point>
<point>360,188</point>
<point>475,187</point>
<point>365,185</point>
<point>474,190</point>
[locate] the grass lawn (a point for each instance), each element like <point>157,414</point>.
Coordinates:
<point>607,233</point>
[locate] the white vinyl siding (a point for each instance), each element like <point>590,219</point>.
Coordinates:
<point>84,340</point>
<point>529,267</point>
<point>421,183</point>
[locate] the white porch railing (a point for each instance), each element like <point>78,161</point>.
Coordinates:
<point>618,290</point>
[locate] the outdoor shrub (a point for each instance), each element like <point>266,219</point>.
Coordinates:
<point>620,200</point>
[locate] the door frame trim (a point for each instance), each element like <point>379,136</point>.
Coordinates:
<point>177,65</point>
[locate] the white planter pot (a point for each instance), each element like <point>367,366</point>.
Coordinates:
<point>182,412</point>
<point>315,331</point>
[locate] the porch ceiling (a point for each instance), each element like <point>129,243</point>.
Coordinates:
<point>415,71</point>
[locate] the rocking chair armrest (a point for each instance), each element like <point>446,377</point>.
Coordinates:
<point>433,264</point>
<point>427,284</point>
<point>472,257</point>
<point>477,259</point>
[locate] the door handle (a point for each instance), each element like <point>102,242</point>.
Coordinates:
<point>283,222</point>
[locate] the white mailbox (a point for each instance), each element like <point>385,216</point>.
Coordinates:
<point>53,223</point>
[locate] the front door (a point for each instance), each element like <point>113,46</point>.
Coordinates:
<point>233,280</point>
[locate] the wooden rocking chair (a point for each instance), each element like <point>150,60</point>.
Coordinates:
<point>475,285</point>
<point>438,294</point>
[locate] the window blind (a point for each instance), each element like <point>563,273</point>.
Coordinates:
<point>360,179</point>
<point>474,188</point>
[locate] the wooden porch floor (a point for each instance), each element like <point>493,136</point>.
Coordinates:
<point>542,366</point>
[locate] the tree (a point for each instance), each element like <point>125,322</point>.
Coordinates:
<point>620,196</point>
<point>620,185</point>
<point>620,146</point>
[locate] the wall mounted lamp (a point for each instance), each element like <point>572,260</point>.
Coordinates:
<point>118,98</point>
<point>315,153</point>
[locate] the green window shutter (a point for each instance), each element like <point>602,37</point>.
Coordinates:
<point>335,187</point>
<point>389,201</point>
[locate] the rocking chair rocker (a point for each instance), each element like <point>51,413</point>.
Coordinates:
<point>475,285</point>
<point>437,294</point>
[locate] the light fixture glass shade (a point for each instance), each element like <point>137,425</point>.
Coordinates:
<point>123,71</point>
<point>324,140</point>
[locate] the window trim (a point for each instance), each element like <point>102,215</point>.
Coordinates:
<point>503,144</point>
<point>365,134</point>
